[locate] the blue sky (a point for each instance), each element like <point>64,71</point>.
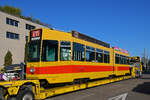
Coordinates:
<point>122,23</point>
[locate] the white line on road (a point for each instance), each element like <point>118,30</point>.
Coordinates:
<point>119,97</point>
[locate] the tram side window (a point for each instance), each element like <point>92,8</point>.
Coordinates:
<point>117,58</point>
<point>65,51</point>
<point>50,50</point>
<point>106,57</point>
<point>121,59</point>
<point>125,60</point>
<point>99,55</point>
<point>78,52</point>
<point>128,61</point>
<point>90,54</point>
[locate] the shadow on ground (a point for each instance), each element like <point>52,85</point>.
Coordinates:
<point>146,72</point>
<point>143,88</point>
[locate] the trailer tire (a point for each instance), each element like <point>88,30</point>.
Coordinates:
<point>25,94</point>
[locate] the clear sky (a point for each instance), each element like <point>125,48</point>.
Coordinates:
<point>122,23</point>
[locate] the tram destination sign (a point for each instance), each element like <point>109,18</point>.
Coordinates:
<point>35,35</point>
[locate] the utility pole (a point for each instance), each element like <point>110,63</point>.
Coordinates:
<point>147,62</point>
<point>145,59</point>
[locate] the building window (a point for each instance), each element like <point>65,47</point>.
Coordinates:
<point>11,35</point>
<point>99,55</point>
<point>12,22</point>
<point>90,54</point>
<point>29,27</point>
<point>106,57</point>
<point>65,50</point>
<point>78,52</point>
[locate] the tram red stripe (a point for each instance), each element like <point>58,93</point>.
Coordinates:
<point>72,69</point>
<point>123,68</point>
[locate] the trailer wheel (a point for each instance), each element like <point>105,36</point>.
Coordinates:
<point>25,94</point>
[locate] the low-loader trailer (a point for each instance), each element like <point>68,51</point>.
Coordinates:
<point>31,89</point>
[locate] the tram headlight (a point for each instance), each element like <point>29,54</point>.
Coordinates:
<point>32,70</point>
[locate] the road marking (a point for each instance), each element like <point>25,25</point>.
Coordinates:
<point>119,97</point>
<point>83,97</point>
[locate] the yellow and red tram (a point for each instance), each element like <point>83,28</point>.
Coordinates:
<point>60,57</point>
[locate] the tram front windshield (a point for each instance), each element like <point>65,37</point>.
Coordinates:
<point>34,51</point>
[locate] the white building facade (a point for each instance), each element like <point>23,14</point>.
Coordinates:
<point>13,34</point>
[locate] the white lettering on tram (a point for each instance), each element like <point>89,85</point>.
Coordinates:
<point>36,38</point>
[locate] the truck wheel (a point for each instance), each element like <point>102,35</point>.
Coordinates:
<point>25,95</point>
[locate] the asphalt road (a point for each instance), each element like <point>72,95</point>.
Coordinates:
<point>131,89</point>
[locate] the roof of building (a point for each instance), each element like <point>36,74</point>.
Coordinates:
<point>25,18</point>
